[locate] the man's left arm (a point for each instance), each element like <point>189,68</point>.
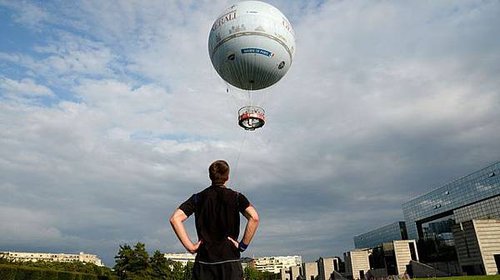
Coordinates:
<point>177,222</point>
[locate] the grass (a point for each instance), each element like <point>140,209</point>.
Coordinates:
<point>481,277</point>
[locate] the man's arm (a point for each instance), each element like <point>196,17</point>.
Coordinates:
<point>177,223</point>
<point>251,227</point>
<point>252,224</point>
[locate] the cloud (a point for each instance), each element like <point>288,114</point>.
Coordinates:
<point>122,113</point>
<point>27,14</point>
<point>24,88</point>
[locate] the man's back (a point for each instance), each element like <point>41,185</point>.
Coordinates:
<point>217,216</point>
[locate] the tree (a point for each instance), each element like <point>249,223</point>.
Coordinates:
<point>161,267</point>
<point>132,263</point>
<point>188,271</point>
<point>177,271</point>
<point>251,273</point>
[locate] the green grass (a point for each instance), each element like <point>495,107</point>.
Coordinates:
<point>482,277</point>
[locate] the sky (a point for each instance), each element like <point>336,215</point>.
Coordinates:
<point>111,112</point>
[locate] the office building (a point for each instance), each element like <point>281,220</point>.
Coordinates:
<point>465,198</point>
<point>394,231</point>
<point>51,257</point>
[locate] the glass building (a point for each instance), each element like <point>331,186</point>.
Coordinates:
<point>475,196</point>
<point>388,233</point>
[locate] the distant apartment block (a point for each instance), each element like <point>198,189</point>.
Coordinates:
<point>275,264</point>
<point>183,258</point>
<point>388,233</point>
<point>51,257</point>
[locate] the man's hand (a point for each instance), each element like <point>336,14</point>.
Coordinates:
<point>194,247</point>
<point>235,243</point>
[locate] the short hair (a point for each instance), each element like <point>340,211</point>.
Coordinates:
<point>218,172</point>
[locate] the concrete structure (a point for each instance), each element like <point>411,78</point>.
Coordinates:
<point>51,257</point>
<point>393,258</point>
<point>478,246</point>
<point>404,251</point>
<point>357,263</point>
<point>183,258</point>
<point>275,264</point>
<point>310,270</point>
<point>387,233</point>
<point>292,273</point>
<point>326,267</point>
<point>456,199</point>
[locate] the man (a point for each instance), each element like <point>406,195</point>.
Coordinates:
<point>217,218</point>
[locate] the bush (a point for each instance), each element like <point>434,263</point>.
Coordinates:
<point>17,272</point>
<point>67,276</point>
<point>8,272</point>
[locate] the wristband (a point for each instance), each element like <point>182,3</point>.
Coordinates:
<point>242,246</point>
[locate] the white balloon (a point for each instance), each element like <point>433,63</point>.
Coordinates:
<point>251,45</point>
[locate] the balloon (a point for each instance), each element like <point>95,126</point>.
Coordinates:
<point>251,45</point>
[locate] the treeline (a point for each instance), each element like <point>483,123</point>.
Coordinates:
<point>134,263</point>
<point>76,266</point>
<point>131,263</point>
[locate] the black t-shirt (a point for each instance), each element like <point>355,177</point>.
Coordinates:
<point>217,215</point>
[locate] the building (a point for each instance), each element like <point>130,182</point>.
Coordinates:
<point>310,270</point>
<point>393,258</point>
<point>183,258</point>
<point>275,264</point>
<point>326,266</point>
<point>394,231</point>
<point>292,273</point>
<point>357,263</point>
<point>51,257</point>
<point>478,246</point>
<point>456,216</point>
<point>463,198</point>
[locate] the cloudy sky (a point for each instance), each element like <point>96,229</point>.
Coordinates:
<point>111,112</point>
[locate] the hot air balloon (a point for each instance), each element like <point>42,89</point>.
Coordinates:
<point>251,46</point>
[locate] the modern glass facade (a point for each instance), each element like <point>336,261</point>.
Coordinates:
<point>388,233</point>
<point>489,209</point>
<point>466,191</point>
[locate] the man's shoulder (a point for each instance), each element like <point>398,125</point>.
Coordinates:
<point>233,191</point>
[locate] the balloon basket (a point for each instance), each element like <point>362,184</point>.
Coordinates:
<point>251,117</point>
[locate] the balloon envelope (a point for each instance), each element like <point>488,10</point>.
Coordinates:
<point>251,45</point>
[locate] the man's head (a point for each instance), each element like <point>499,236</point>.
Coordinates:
<point>218,172</point>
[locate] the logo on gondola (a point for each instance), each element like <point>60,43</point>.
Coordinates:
<point>257,51</point>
